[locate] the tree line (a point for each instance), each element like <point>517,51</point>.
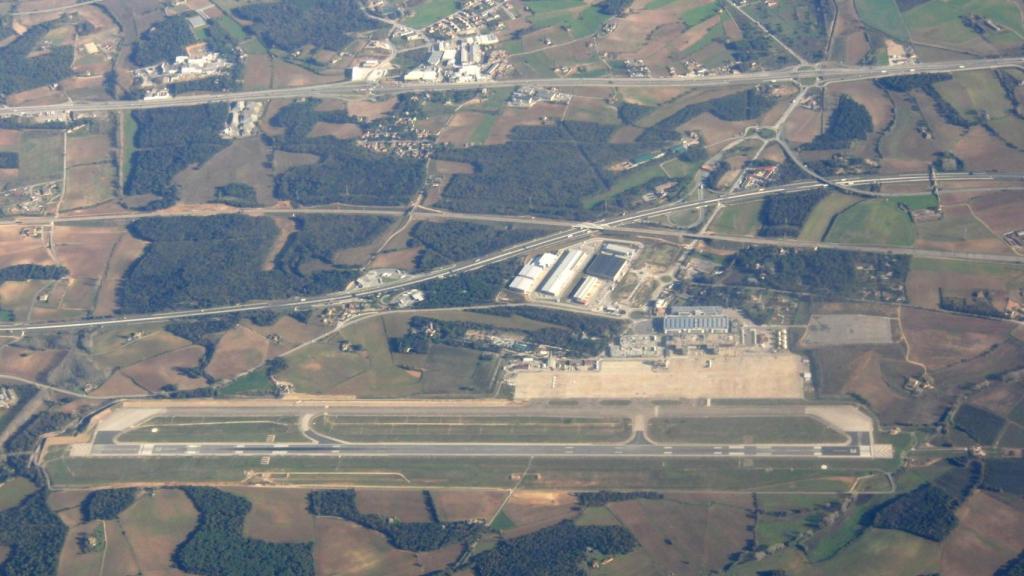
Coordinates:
<point>449,242</point>
<point>217,260</point>
<point>163,42</point>
<point>849,121</point>
<point>568,161</point>
<point>107,504</point>
<point>746,105</point>
<point>169,140</point>
<point>560,549</point>
<point>22,272</point>
<point>468,288</point>
<point>19,71</point>
<point>217,545</point>
<point>293,24</point>
<point>413,536</point>
<point>785,214</point>
<point>345,171</point>
<point>825,272</point>
<point>34,535</point>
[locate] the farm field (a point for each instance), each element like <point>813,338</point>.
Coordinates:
<point>824,214</point>
<point>739,220</point>
<point>873,222</point>
<point>430,11</point>
<point>472,429</point>
<point>884,16</point>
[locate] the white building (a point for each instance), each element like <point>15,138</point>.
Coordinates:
<point>564,273</point>
<point>587,289</point>
<point>532,272</point>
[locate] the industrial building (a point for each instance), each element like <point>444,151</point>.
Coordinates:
<point>564,273</point>
<point>587,289</point>
<point>696,320</point>
<point>606,267</point>
<point>532,272</point>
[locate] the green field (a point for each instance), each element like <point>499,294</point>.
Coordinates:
<point>873,222</point>
<point>884,16</point>
<point>631,179</point>
<point>740,430</point>
<point>233,28</point>
<point>14,490</point>
<point>918,201</point>
<point>695,16</point>
<point>431,11</point>
<point>726,474</point>
<point>255,383</point>
<point>946,15</point>
<point>128,128</point>
<point>876,552</point>
<point>40,156</point>
<point>739,219</point>
<point>324,369</point>
<point>172,429</point>
<point>655,4</point>
<point>483,129</point>
<point>817,223</point>
<point>580,23</point>
<point>1013,274</point>
<point>472,429</point>
<point>955,230</point>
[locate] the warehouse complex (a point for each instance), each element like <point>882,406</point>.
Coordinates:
<point>575,273</point>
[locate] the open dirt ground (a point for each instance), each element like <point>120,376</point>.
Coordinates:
<point>239,350</point>
<point>844,329</point>
<point>688,535</point>
<point>990,533</point>
<point>728,376</point>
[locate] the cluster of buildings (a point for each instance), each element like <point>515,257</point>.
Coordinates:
<point>474,17</point>
<point>197,63</point>
<point>758,177</point>
<point>243,120</point>
<point>8,397</point>
<point>573,272</point>
<point>26,200</point>
<point>459,60</point>
<point>398,136</point>
<point>527,96</point>
<point>899,54</point>
<point>637,68</point>
<point>370,70</point>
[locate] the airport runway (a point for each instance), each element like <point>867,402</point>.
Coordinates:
<point>105,444</point>
<point>455,450</point>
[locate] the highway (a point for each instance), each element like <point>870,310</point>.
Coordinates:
<point>578,231</point>
<point>421,213</point>
<point>827,74</point>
